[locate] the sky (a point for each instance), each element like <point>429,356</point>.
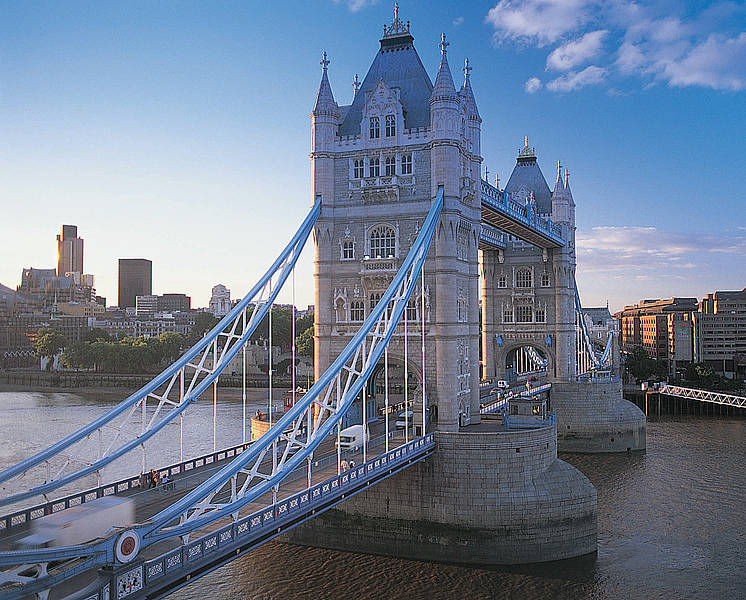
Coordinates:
<point>180,131</point>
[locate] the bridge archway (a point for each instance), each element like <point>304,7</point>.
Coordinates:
<point>510,360</point>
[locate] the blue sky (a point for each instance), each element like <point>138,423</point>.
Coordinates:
<point>180,131</point>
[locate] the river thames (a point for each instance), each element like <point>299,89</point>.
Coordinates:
<point>671,522</point>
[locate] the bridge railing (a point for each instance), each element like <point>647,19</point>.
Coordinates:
<point>47,508</point>
<point>265,523</point>
<point>703,395</point>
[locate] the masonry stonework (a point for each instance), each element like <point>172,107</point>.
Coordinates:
<point>482,498</point>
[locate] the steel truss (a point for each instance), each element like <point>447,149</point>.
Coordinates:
<point>589,361</point>
<point>283,448</point>
<point>704,396</point>
<point>146,412</point>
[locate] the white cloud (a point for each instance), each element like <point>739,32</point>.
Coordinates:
<point>539,21</point>
<point>658,42</point>
<point>458,21</point>
<point>532,85</point>
<point>718,63</point>
<point>356,5</point>
<point>592,75</point>
<point>576,52</point>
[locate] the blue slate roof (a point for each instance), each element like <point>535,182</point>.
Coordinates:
<point>528,175</point>
<point>399,65</point>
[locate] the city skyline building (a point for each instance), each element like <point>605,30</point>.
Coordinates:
<point>135,279</point>
<point>220,301</point>
<point>69,251</point>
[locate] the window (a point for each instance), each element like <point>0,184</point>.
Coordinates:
<point>382,242</point>
<point>412,311</point>
<point>541,315</point>
<point>375,127</point>
<point>390,125</point>
<point>374,167</point>
<point>390,165</point>
<point>348,249</point>
<point>523,314</point>
<point>502,281</point>
<point>545,280</point>
<point>523,278</point>
<point>357,311</point>
<point>357,171</point>
<point>507,315</point>
<point>406,164</point>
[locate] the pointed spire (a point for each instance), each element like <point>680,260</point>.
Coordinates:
<point>443,88</point>
<point>559,186</point>
<point>467,94</point>
<point>568,191</point>
<point>355,86</point>
<point>325,98</point>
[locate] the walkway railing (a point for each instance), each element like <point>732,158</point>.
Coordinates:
<point>704,396</point>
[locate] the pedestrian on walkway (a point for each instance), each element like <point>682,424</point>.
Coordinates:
<point>343,465</point>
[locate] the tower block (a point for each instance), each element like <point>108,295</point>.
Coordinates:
<point>377,164</point>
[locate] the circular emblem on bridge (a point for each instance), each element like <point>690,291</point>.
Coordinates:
<point>127,547</point>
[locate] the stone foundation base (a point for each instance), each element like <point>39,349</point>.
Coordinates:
<point>483,498</point>
<point>594,418</point>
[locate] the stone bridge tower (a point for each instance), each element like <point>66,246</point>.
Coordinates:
<point>528,294</point>
<point>377,164</point>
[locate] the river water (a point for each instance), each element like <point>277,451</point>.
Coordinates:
<point>672,522</point>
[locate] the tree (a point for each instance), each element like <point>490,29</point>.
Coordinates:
<point>203,322</point>
<point>641,366</point>
<point>49,342</point>
<point>304,342</point>
<point>171,345</point>
<point>95,333</point>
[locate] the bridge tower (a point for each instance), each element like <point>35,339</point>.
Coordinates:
<point>377,164</point>
<point>528,294</point>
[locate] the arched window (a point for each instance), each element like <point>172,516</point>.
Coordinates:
<point>357,171</point>
<point>375,127</point>
<point>545,280</point>
<point>406,164</point>
<point>507,315</point>
<point>357,311</point>
<point>382,242</point>
<point>412,311</point>
<point>348,249</point>
<point>374,167</point>
<point>523,314</point>
<point>374,299</point>
<point>390,164</point>
<point>502,281</point>
<point>541,315</point>
<point>523,278</point>
<point>390,125</point>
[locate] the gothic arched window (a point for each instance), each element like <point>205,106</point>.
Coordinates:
<point>348,249</point>
<point>382,242</point>
<point>390,126</point>
<point>390,165</point>
<point>502,281</point>
<point>374,299</point>
<point>406,164</point>
<point>412,311</point>
<point>357,171</point>
<point>523,278</point>
<point>545,280</point>
<point>374,167</point>
<point>541,315</point>
<point>375,127</point>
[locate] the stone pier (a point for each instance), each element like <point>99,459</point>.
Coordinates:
<point>485,497</point>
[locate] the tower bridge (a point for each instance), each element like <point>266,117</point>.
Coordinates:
<point>409,241</point>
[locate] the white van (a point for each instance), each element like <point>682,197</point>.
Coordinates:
<point>352,437</point>
<point>502,384</point>
<point>405,419</point>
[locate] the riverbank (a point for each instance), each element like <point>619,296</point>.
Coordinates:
<point>59,381</point>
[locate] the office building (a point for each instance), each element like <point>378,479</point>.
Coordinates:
<point>720,333</point>
<point>69,251</point>
<point>135,279</point>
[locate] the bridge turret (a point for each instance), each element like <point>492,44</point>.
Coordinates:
<point>324,125</point>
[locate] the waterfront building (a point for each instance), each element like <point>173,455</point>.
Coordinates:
<point>720,332</point>
<point>135,279</point>
<point>220,301</point>
<point>69,250</point>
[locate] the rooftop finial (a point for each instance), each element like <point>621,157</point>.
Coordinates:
<point>497,181</point>
<point>324,62</point>
<point>525,142</point>
<point>443,44</point>
<point>467,69</point>
<point>559,169</point>
<point>567,177</point>
<point>396,27</point>
<point>526,151</point>
<point>486,174</point>
<point>355,85</point>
